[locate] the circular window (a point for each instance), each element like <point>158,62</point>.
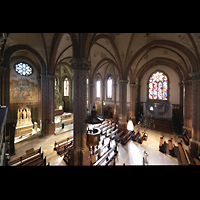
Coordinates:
<point>23,69</point>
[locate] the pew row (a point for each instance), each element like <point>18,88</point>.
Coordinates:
<point>107,158</point>
<point>143,137</point>
<point>136,136</point>
<point>127,137</point>
<point>31,158</point>
<point>183,155</point>
<point>62,145</point>
<point>119,136</point>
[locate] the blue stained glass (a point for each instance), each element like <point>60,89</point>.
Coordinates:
<point>23,69</point>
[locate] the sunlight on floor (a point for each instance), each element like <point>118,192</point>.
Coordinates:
<point>135,156</point>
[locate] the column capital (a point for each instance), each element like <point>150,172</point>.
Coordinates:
<point>123,82</point>
<point>181,84</point>
<point>91,84</point>
<point>187,82</point>
<point>133,85</point>
<point>195,75</point>
<point>80,63</point>
<point>51,77</point>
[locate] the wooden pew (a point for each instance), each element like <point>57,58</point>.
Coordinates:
<point>142,137</point>
<point>35,161</point>
<point>136,136</point>
<point>133,137</point>
<point>62,146</point>
<point>61,142</point>
<point>182,154</point>
<point>104,130</point>
<point>186,139</point>
<point>113,134</point>
<point>119,136</point>
<point>67,155</point>
<point>107,157</point>
<point>192,161</point>
<point>161,144</point>
<point>100,151</point>
<point>127,137</point>
<point>34,158</point>
<point>110,160</point>
<point>166,148</point>
<point>109,131</point>
<point>197,161</point>
<point>19,159</point>
<point>171,148</point>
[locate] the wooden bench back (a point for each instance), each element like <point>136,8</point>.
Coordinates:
<point>25,156</point>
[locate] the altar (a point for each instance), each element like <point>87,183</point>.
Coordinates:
<point>24,122</point>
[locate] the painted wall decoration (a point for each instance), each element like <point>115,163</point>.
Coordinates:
<point>23,90</point>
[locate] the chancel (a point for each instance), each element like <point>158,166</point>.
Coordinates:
<point>99,99</point>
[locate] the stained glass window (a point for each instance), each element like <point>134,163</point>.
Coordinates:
<point>23,69</point>
<point>66,87</point>
<point>56,82</point>
<point>109,87</point>
<point>158,86</point>
<point>98,88</point>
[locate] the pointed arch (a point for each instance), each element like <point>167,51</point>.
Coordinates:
<point>101,63</point>
<point>170,45</point>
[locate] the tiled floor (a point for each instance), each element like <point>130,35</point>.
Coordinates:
<point>130,154</point>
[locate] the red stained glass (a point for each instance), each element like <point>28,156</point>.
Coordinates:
<point>158,86</point>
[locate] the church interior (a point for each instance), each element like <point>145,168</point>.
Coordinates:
<point>99,99</point>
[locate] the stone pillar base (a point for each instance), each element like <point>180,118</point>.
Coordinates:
<point>194,147</point>
<point>80,157</point>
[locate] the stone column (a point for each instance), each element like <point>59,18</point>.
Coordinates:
<point>80,153</point>
<point>115,100</point>
<point>5,89</point>
<point>181,94</point>
<point>123,105</point>
<point>194,146</point>
<point>47,99</point>
<point>132,101</point>
<point>91,85</point>
<point>2,85</point>
<point>39,102</point>
<point>70,98</point>
<point>103,98</point>
<point>181,101</point>
<point>187,106</point>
